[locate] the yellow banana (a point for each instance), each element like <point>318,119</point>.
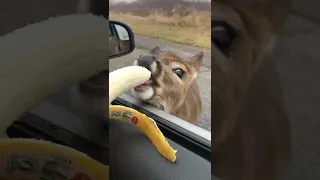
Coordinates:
<point>147,125</point>
<point>122,80</point>
<point>31,159</point>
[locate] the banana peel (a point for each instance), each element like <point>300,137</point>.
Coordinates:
<point>122,80</point>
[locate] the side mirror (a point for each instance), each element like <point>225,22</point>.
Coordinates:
<point>121,39</point>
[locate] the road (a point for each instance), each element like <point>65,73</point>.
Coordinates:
<point>143,46</point>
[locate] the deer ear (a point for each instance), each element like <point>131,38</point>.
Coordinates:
<point>197,60</point>
<point>155,51</point>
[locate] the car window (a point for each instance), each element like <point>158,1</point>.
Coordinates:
<point>183,32</point>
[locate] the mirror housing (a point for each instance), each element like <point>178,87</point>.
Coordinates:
<point>121,42</point>
<point>121,39</point>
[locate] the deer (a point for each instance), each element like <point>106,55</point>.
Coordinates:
<point>250,123</point>
<point>172,86</point>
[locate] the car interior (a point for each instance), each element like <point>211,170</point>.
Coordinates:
<point>130,154</point>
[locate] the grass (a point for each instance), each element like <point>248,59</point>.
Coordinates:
<point>192,29</point>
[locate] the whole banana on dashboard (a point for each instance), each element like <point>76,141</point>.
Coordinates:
<point>122,80</point>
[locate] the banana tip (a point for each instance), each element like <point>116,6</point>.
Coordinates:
<point>174,160</point>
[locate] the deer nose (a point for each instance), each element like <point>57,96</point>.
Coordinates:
<point>146,61</point>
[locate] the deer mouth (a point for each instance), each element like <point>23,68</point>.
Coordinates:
<point>143,87</point>
<point>144,91</point>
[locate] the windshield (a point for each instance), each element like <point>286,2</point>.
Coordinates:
<point>183,31</point>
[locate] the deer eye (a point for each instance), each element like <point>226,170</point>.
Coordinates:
<point>222,36</point>
<point>179,72</point>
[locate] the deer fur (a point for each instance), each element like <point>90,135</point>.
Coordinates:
<point>179,97</point>
<point>250,125</point>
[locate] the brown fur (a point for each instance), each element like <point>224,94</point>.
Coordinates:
<point>179,97</point>
<point>250,126</point>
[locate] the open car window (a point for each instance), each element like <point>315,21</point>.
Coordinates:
<point>157,27</point>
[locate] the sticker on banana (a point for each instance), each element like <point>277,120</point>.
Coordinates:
<point>122,80</point>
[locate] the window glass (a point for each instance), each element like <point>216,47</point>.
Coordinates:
<point>183,29</point>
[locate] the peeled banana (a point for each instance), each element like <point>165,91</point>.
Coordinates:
<point>122,80</point>
<point>39,59</point>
